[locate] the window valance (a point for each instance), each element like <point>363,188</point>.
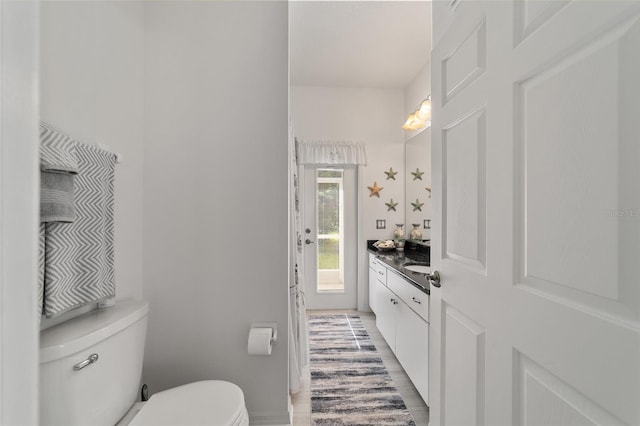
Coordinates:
<point>331,152</point>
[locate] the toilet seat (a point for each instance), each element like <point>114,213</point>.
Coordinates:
<point>209,402</point>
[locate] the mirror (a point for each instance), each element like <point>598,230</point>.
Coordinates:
<point>417,180</point>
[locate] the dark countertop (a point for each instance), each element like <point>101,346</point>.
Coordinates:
<point>412,254</point>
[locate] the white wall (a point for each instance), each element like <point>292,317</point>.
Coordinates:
<point>372,116</point>
<point>92,70</point>
<point>215,200</point>
<point>19,213</point>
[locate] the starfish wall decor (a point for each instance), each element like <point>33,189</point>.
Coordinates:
<point>375,190</point>
<point>417,174</point>
<point>391,174</point>
<point>417,205</point>
<point>428,189</point>
<point>391,205</point>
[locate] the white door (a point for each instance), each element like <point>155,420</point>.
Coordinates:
<point>329,211</point>
<point>536,154</point>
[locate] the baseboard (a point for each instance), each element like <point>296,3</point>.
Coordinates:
<point>280,418</point>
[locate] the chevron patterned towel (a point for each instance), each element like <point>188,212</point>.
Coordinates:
<point>78,267</point>
<point>56,197</point>
<point>58,165</point>
<point>41,270</point>
<point>56,150</point>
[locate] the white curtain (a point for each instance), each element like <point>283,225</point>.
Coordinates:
<point>331,152</point>
<point>298,335</point>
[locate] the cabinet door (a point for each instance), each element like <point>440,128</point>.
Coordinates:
<point>412,348</point>
<point>387,305</point>
<point>373,280</point>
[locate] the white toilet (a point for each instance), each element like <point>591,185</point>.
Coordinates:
<point>90,369</point>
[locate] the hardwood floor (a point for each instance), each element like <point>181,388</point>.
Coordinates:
<point>419,410</point>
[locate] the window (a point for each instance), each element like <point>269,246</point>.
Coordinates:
<point>330,232</point>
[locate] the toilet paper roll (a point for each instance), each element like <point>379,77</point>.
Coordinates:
<point>260,341</point>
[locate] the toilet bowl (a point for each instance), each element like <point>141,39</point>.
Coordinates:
<point>90,369</point>
<point>210,402</point>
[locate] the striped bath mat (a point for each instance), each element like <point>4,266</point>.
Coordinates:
<point>349,383</point>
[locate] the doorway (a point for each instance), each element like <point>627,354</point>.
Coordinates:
<point>329,216</point>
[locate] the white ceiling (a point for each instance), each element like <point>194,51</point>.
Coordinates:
<point>377,44</point>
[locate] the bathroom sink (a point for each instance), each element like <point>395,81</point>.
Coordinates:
<point>423,269</point>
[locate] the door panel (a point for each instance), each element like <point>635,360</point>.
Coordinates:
<point>330,279</point>
<point>463,157</point>
<point>536,213</point>
<point>550,401</point>
<point>465,63</point>
<point>556,245</point>
<point>531,15</point>
<point>464,352</point>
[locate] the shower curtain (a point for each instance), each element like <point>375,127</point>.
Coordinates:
<point>327,152</point>
<point>298,335</point>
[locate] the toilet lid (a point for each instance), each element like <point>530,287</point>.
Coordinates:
<point>210,402</point>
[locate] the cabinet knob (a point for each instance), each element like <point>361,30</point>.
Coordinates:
<point>394,301</point>
<point>416,300</point>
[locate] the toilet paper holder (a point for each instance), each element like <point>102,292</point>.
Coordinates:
<point>272,325</point>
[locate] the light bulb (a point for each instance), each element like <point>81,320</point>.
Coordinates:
<point>424,112</point>
<point>426,105</point>
<point>408,125</point>
<point>423,115</point>
<point>418,124</point>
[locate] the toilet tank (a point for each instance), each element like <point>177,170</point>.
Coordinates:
<point>102,391</point>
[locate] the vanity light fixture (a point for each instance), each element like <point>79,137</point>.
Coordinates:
<point>421,117</point>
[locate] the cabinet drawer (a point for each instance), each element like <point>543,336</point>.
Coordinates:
<point>414,298</point>
<point>379,268</point>
<point>372,261</point>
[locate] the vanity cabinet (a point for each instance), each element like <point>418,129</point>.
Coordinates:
<point>387,314</point>
<point>377,274</point>
<point>402,317</point>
